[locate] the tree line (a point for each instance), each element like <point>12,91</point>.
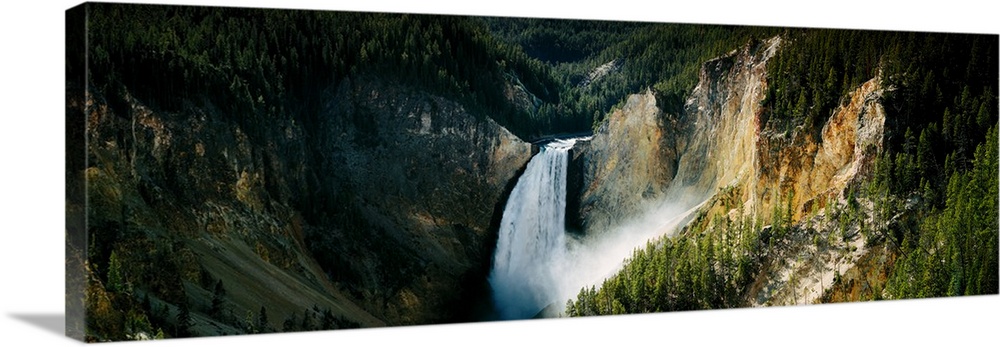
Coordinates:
<point>255,64</point>
<point>933,192</point>
<point>662,57</point>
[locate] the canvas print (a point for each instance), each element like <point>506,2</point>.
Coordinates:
<point>240,171</point>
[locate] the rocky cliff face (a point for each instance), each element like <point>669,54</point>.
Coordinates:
<point>427,180</point>
<point>820,169</point>
<point>641,156</point>
<point>378,208</point>
<point>628,164</point>
<point>819,172</point>
<point>730,147</point>
<point>722,121</point>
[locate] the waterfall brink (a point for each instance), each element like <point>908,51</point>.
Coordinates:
<point>532,236</point>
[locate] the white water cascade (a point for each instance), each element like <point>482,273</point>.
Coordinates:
<point>535,266</point>
<point>532,237</point>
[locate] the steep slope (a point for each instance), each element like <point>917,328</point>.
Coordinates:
<point>297,220</point>
<point>721,122</point>
<point>425,178</point>
<point>729,146</point>
<point>179,198</point>
<point>627,165</point>
<point>641,156</point>
<point>813,168</point>
<point>720,152</point>
<point>820,248</point>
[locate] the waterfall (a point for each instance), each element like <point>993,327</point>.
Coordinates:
<point>532,236</point>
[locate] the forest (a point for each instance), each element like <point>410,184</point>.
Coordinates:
<point>662,57</point>
<point>932,196</point>
<point>255,66</point>
<point>258,64</point>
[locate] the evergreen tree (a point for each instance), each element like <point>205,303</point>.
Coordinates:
<point>116,277</point>
<point>250,324</point>
<point>183,319</point>
<point>291,323</point>
<point>263,325</point>
<point>217,310</point>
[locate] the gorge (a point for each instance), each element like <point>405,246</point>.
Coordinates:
<point>288,174</point>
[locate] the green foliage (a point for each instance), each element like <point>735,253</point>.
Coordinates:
<point>291,323</point>
<point>249,324</point>
<point>314,319</point>
<point>814,69</point>
<point>557,41</point>
<point>263,324</point>
<point>182,327</point>
<point>934,196</point>
<point>137,326</point>
<point>665,58</point>
<point>218,310</point>
<point>116,279</point>
<point>137,268</point>
<point>258,64</point>
<point>955,250</point>
<point>700,269</point>
<point>308,318</point>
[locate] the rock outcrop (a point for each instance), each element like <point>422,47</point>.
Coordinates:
<point>819,173</point>
<point>641,156</point>
<point>722,121</point>
<point>817,170</point>
<point>628,164</point>
<point>378,207</point>
<point>427,178</point>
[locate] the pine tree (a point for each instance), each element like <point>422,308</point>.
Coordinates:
<point>290,323</point>
<point>217,310</point>
<point>263,325</point>
<point>250,324</point>
<point>116,279</point>
<point>183,326</point>
<point>307,320</point>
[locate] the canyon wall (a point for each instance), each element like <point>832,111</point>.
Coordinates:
<point>642,157</point>
<point>378,207</point>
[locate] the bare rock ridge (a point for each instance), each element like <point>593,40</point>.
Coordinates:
<point>641,156</point>
<point>629,163</point>
<point>820,173</point>
<point>722,122</point>
<point>377,209</point>
<point>849,143</point>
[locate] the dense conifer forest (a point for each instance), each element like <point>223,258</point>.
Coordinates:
<point>932,196</point>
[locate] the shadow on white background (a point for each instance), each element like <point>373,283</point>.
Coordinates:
<point>31,191</point>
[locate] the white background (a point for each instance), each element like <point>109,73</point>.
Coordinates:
<point>31,190</point>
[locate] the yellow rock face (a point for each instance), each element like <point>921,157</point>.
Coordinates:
<point>849,143</point>
<point>641,156</point>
